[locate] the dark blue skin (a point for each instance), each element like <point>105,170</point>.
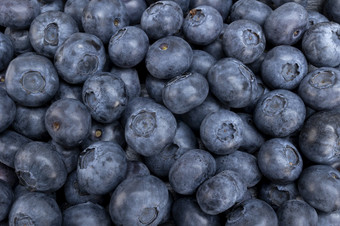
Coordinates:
<point>128,46</point>
<point>49,30</point>
<point>74,194</point>
<point>103,18</point>
<point>134,105</point>
<point>279,113</point>
<point>31,80</point>
<point>86,214</point>
<point>184,4</point>
<point>332,218</point>
<point>135,9</point>
<point>195,116</point>
<point>186,212</point>
<point>185,92</point>
<point>280,161</point>
<point>319,186</point>
<point>315,17</point>
<point>18,14</point>
<point>75,8</point>
<point>190,170</point>
<point>154,87</point>
<point>88,58</point>
<point>10,143</point>
<point>161,19</point>
<point>255,67</point>
<point>40,168</point>
<point>202,25</point>
<point>131,80</point>
<point>277,3</point>
<point>8,175</point>
<point>7,110</point>
<point>286,24</point>
<point>297,212</point>
<point>2,79</point>
<point>252,212</point>
<point>216,48</point>
<point>220,192</point>
<point>139,201</point>
<point>331,9</point>
<point>284,67</point>
<point>68,122</point>
<point>252,138</point>
<point>318,138</point>
<point>105,132</point>
<point>136,169</point>
<point>244,40</point>
<point>68,155</point>
<point>201,62</point>
<point>320,45</point>
<point>275,194</point>
<point>20,40</point>
<point>243,163</point>
<point>67,90</point>
<point>55,5</point>
<point>253,10</point>
<point>105,97</point>
<point>222,132</point>
<point>45,210</point>
<point>223,6</point>
<point>184,140</point>
<point>21,190</point>
<point>6,199</point>
<point>6,50</point>
<point>233,83</point>
<point>101,167</point>
<point>168,57</point>
<point>319,89</point>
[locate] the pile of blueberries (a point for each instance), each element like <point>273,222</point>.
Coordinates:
<point>182,112</point>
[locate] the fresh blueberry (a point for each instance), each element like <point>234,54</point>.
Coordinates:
<point>162,18</point>
<point>7,110</point>
<point>88,57</point>
<point>223,6</point>
<point>202,25</point>
<point>103,18</point>
<point>279,113</point>
<point>68,155</point>
<point>39,167</point>
<point>244,40</point>
<point>201,62</point>
<point>3,79</point>
<point>168,57</point>
<point>128,47</point>
<point>216,47</point>
<point>332,218</point>
<point>315,17</point>
<point>277,3</point>
<point>6,50</point>
<point>20,40</point>
<point>184,4</point>
<point>331,9</point>
<point>154,87</point>
<point>75,8</point>
<point>134,105</point>
<point>55,5</point>
<point>6,199</point>
<point>135,9</point>
<point>284,67</point>
<point>255,67</point>
<point>49,30</point>
<point>68,122</point>
<point>8,175</point>
<point>131,80</point>
<point>67,90</point>
<point>136,169</point>
<point>31,80</point>
<point>286,24</point>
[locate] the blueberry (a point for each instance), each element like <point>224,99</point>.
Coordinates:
<point>31,80</point>
<point>154,87</point>
<point>86,214</point>
<point>222,132</point>
<point>315,17</point>
<point>49,30</point>
<point>232,82</point>
<point>68,155</point>
<point>297,212</point>
<point>220,192</point>
<point>331,10</point>
<point>318,138</point>
<point>55,5</point>
<point>243,163</point>
<point>253,10</point>
<point>74,8</point>
<point>277,3</point>
<point>6,50</point>
<point>128,47</point>
<point>279,113</point>
<point>6,199</point>
<point>20,40</point>
<point>139,201</point>
<point>135,9</point>
<point>68,122</point>
<point>104,17</point>
<point>319,186</point>
<point>286,24</point>
<point>223,6</point>
<point>7,110</point>
<point>67,90</point>
<point>202,25</point>
<point>136,169</point>
<point>284,67</point>
<point>216,47</point>
<point>255,66</point>
<point>252,212</point>
<point>18,14</point>
<point>319,89</point>
<point>162,18</point>
<point>244,40</point>
<point>101,167</point>
<point>149,128</point>
<point>168,57</point>
<point>201,62</point>
<point>8,175</point>
<point>332,218</point>
<point>131,80</point>
<point>320,44</point>
<point>45,210</point>
<point>184,4</point>
<point>39,167</point>
<point>2,79</point>
<point>186,212</point>
<point>134,105</point>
